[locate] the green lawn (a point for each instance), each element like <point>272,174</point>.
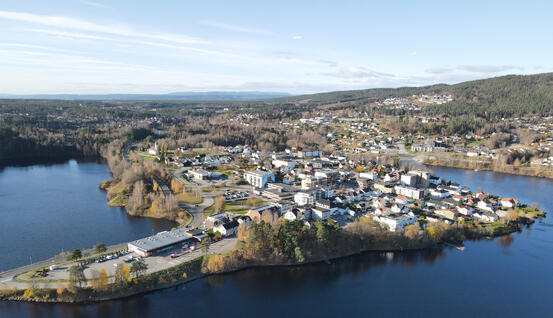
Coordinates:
<point>147,156</point>
<point>189,198</point>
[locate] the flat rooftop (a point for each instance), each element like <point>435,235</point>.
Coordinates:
<point>162,239</point>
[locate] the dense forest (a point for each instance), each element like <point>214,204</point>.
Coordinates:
<point>505,96</point>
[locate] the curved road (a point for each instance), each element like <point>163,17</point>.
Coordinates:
<point>195,210</point>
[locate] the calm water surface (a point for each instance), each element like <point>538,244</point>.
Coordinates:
<point>47,209</point>
<point>505,277</point>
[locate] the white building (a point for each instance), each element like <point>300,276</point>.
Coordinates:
<point>408,180</point>
<point>368,175</point>
<point>465,210</point>
<point>508,202</point>
<point>309,153</point>
<point>153,150</point>
<point>199,174</point>
<point>259,178</point>
<point>227,229</point>
<point>410,192</point>
<point>304,197</point>
<point>485,216</point>
<point>396,222</point>
<point>318,213</point>
<point>472,153</point>
<point>285,164</point>
<point>483,205</point>
<point>439,194</point>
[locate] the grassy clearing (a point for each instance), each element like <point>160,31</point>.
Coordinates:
<point>243,206</point>
<point>213,187</point>
<point>146,155</point>
<point>118,195</point>
<point>227,173</point>
<point>237,209</point>
<point>530,211</point>
<point>189,198</point>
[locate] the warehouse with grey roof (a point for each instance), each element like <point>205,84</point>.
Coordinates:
<point>164,241</point>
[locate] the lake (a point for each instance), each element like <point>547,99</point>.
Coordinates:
<point>506,277</point>
<point>46,209</point>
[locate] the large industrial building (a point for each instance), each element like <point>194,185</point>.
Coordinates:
<point>166,240</point>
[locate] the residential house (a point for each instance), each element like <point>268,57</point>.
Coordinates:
<point>396,222</point>
<point>485,216</point>
<point>268,212</point>
<point>447,213</point>
<point>439,193</point>
<point>509,202</point>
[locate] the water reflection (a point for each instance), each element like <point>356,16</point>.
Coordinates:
<point>323,274</point>
<point>505,241</point>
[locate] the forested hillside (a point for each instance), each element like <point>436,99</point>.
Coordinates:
<point>511,95</point>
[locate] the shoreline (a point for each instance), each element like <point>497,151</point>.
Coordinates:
<point>485,166</point>
<point>422,247</point>
<point>230,271</point>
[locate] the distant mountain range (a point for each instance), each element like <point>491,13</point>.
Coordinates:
<point>200,96</point>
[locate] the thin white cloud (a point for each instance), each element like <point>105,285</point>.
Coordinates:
<point>95,4</point>
<point>23,45</point>
<point>236,28</point>
<point>357,72</point>
<point>73,35</point>
<point>64,58</point>
<point>439,70</point>
<point>230,56</point>
<point>297,37</point>
<point>413,53</point>
<point>84,25</point>
<point>487,69</point>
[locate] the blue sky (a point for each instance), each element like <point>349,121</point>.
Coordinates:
<point>140,46</point>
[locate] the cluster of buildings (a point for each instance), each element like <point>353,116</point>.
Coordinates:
<point>311,186</point>
<point>434,99</point>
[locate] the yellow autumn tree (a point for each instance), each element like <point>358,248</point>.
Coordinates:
<point>176,186</point>
<point>122,274</point>
<point>102,279</point>
<point>412,231</point>
<point>29,292</point>
<point>60,289</point>
<point>94,279</point>
<point>219,204</point>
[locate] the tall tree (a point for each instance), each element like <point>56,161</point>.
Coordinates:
<point>138,268</point>
<point>76,276</point>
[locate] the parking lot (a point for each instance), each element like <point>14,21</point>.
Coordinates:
<point>235,196</point>
<point>154,263</point>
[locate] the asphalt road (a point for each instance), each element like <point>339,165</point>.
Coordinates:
<point>126,149</point>
<point>196,210</point>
